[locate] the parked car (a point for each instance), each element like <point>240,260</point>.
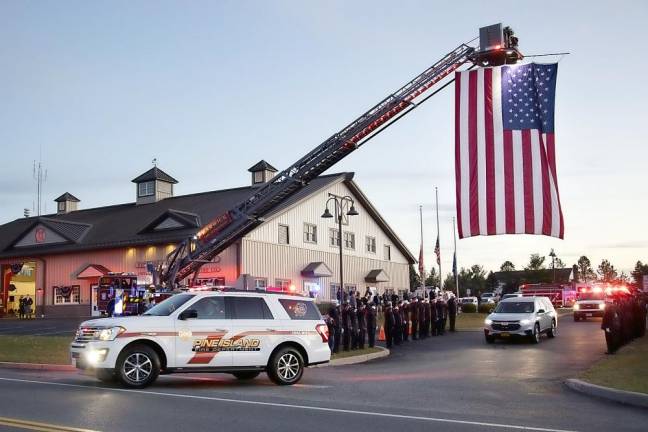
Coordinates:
<point>237,332</point>
<point>528,317</point>
<point>468,300</point>
<point>488,297</point>
<point>512,295</point>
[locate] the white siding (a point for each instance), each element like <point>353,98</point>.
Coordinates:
<point>310,211</point>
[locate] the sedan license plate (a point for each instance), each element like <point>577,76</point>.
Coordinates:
<point>505,334</point>
<point>588,314</point>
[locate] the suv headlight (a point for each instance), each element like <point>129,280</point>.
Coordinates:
<point>488,321</point>
<point>525,322</point>
<point>108,334</point>
<point>576,306</point>
<point>601,306</point>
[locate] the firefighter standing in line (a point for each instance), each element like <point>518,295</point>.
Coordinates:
<point>440,307</point>
<point>362,323</point>
<point>612,325</point>
<point>334,326</point>
<point>426,317</point>
<point>452,311</point>
<point>371,324</point>
<point>433,315</point>
<point>414,317</point>
<point>404,311</point>
<point>346,325</point>
<point>354,327</point>
<point>398,325</point>
<point>389,324</point>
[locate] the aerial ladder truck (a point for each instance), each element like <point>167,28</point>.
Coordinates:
<point>497,46</point>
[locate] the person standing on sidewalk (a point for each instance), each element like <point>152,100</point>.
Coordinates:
<point>389,324</point>
<point>362,323</point>
<point>334,327</point>
<point>346,325</point>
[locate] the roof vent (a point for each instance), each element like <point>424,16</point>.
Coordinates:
<point>262,172</point>
<point>66,203</point>
<point>154,185</point>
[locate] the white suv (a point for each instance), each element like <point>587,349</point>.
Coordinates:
<point>522,316</point>
<point>237,332</point>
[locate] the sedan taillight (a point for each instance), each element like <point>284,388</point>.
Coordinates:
<point>322,330</point>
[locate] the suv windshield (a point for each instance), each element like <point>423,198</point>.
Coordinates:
<point>514,307</point>
<point>168,306</point>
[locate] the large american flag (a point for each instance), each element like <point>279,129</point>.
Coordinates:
<point>505,158</point>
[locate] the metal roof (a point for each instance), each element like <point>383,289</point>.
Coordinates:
<point>261,166</point>
<point>154,173</point>
<point>67,196</point>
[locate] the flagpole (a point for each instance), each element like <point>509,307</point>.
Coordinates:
<point>422,267</point>
<point>456,273</point>
<point>436,191</point>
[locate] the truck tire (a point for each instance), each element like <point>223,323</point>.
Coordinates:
<point>137,366</point>
<point>536,335</point>
<point>246,375</point>
<point>553,331</point>
<point>286,366</point>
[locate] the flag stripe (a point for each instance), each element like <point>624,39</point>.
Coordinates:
<point>546,189</point>
<point>509,186</point>
<point>518,181</point>
<point>498,140</point>
<point>481,151</point>
<point>458,151</point>
<point>528,181</point>
<point>472,152</point>
<point>463,155</point>
<point>538,204</point>
<point>490,151</point>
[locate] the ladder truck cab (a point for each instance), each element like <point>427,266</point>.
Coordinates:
<point>119,294</point>
<point>590,302</point>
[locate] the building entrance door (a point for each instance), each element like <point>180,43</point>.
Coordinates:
<point>94,295</point>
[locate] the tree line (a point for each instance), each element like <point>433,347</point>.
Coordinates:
<point>476,279</point>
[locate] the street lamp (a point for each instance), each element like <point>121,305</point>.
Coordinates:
<point>552,254</point>
<point>342,205</point>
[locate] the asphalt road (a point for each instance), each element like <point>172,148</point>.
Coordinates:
<point>41,326</point>
<point>450,383</point>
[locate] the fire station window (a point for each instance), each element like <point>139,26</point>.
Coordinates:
<point>146,188</point>
<point>260,283</point>
<point>349,240</point>
<point>210,308</point>
<point>67,295</point>
<point>387,253</point>
<point>258,177</point>
<point>284,235</point>
<point>310,233</point>
<point>249,308</point>
<point>284,284</point>
<point>371,244</point>
<point>333,238</point>
<point>61,206</point>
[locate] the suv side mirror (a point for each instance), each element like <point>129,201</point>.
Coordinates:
<point>541,311</point>
<point>187,314</point>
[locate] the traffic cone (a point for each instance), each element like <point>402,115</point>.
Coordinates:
<point>381,334</point>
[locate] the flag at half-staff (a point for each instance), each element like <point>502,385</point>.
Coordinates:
<point>505,157</point>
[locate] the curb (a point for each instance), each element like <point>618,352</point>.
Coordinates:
<point>38,366</point>
<point>384,352</point>
<point>619,396</point>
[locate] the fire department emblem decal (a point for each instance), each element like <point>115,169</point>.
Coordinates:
<point>300,309</point>
<point>39,235</point>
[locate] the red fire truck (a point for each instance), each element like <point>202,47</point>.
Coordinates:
<point>561,295</point>
<point>119,294</point>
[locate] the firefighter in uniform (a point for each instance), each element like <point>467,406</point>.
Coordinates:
<point>389,324</point>
<point>346,325</point>
<point>362,323</point>
<point>426,317</point>
<point>398,325</point>
<point>354,327</point>
<point>439,315</point>
<point>452,311</point>
<point>414,312</point>
<point>612,326</point>
<point>334,324</point>
<point>372,311</point>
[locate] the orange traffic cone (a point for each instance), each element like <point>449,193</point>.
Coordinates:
<point>381,334</point>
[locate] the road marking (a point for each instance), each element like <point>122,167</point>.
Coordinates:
<point>302,407</point>
<point>43,427</point>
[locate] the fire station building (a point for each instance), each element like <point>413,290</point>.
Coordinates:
<point>58,259</point>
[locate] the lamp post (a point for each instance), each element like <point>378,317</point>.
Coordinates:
<point>342,205</point>
<point>552,254</point>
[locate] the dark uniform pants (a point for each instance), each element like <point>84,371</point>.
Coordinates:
<point>346,338</point>
<point>452,322</point>
<point>337,335</point>
<point>361,338</point>
<point>371,336</point>
<point>389,339</point>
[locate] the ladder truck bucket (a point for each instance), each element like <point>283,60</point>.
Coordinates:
<point>497,46</point>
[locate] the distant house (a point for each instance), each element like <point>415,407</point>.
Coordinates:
<point>511,280</point>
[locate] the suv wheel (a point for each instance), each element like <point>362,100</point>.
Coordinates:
<point>246,375</point>
<point>105,375</point>
<point>576,318</point>
<point>553,331</point>
<point>535,337</point>
<point>138,366</point>
<point>490,339</point>
<point>286,366</point>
